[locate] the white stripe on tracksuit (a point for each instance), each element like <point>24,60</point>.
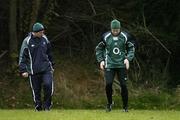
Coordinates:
<point>32,89</point>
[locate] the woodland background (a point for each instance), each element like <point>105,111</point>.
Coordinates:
<point>74,28</point>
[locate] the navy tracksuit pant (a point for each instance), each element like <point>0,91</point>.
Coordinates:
<point>38,81</point>
<point>122,76</point>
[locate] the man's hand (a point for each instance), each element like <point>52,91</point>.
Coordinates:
<point>126,62</point>
<point>25,74</point>
<point>102,65</point>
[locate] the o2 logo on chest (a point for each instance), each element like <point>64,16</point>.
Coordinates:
<point>116,51</point>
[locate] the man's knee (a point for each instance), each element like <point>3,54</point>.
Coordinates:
<point>123,86</point>
<point>47,85</point>
<point>108,86</point>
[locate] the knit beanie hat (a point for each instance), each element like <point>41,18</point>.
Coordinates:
<point>115,24</point>
<point>38,27</point>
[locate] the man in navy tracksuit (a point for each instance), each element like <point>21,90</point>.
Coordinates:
<point>35,62</point>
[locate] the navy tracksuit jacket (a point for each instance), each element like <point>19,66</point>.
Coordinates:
<point>36,59</point>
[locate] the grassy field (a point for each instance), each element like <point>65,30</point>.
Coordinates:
<point>89,115</point>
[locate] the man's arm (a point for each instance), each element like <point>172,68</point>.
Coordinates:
<point>100,51</point>
<point>49,53</point>
<point>130,50</point>
<point>100,48</point>
<point>24,57</point>
<point>24,62</point>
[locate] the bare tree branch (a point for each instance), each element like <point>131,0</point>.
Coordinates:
<point>150,33</point>
<point>92,6</point>
<point>3,54</point>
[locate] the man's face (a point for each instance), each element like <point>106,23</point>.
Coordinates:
<point>39,34</point>
<point>115,32</point>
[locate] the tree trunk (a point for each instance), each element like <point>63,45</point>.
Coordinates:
<point>34,13</point>
<point>13,43</point>
<point>20,20</point>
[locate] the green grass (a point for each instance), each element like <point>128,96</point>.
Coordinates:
<point>29,114</point>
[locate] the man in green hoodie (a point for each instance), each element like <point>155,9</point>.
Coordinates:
<point>113,54</point>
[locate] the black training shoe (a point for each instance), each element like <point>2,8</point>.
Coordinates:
<point>46,109</point>
<point>125,110</point>
<point>38,108</point>
<point>108,107</point>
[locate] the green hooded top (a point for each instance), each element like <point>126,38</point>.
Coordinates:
<point>114,49</point>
